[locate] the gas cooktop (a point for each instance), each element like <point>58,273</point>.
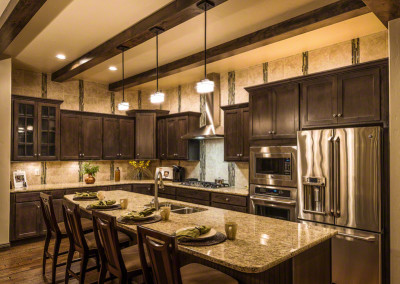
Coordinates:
<point>204,184</point>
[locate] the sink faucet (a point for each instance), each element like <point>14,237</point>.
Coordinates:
<point>158,184</point>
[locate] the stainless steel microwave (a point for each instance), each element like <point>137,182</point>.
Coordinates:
<point>274,165</point>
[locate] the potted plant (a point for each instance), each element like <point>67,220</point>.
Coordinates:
<point>91,171</point>
<point>140,169</point>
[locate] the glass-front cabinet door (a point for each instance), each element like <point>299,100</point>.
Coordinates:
<point>25,130</point>
<point>48,136</point>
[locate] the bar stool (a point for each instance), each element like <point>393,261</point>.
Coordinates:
<point>163,252</point>
<point>122,263</point>
<point>58,231</point>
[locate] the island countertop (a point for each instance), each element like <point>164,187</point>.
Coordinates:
<point>261,243</point>
<point>235,190</point>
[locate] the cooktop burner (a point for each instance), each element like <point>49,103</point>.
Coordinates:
<point>204,184</point>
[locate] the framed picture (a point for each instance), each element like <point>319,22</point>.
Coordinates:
<point>19,179</point>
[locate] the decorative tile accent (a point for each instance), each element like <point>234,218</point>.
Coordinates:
<point>43,173</point>
<point>305,63</point>
<point>355,51</point>
<point>80,171</point>
<point>81,96</point>
<point>231,87</point>
<point>202,160</point>
<point>203,118</point>
<point>179,98</point>
<point>139,99</point>
<point>44,85</point>
<point>112,96</point>
<point>265,72</point>
<point>112,170</point>
<point>231,174</point>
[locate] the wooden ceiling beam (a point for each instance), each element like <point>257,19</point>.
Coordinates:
<point>168,17</point>
<point>322,17</point>
<point>385,10</point>
<point>15,17</point>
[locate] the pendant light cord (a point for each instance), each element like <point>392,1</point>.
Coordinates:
<point>205,40</point>
<point>123,76</point>
<point>157,58</point>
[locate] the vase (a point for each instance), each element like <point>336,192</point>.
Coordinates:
<point>90,179</point>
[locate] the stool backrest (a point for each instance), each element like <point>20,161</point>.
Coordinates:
<point>73,226</point>
<point>162,251</point>
<point>46,203</point>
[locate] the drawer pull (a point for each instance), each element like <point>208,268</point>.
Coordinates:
<point>227,199</point>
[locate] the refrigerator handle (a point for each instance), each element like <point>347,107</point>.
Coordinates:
<point>331,176</point>
<point>336,142</point>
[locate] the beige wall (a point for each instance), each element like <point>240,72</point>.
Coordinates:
<point>5,138</point>
<point>394,134</point>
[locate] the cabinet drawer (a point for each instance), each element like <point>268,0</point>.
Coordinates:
<point>229,207</point>
<point>168,190</point>
<point>229,199</point>
<point>143,189</point>
<point>169,196</point>
<point>29,196</point>
<point>193,200</point>
<point>125,187</point>
<point>192,193</point>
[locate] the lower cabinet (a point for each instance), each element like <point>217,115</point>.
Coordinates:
<point>124,187</point>
<point>229,202</point>
<point>28,220</point>
<point>147,189</point>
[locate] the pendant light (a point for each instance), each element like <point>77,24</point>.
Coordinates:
<point>122,106</point>
<point>205,85</point>
<point>158,96</point>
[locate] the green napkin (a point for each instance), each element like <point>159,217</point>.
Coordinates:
<point>193,233</point>
<point>138,215</point>
<point>85,194</point>
<point>102,203</point>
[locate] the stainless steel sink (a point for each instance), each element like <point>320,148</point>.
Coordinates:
<point>179,209</point>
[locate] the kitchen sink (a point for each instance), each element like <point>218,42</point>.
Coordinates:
<point>179,209</point>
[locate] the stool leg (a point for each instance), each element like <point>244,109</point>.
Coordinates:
<point>69,262</point>
<point>102,274</point>
<point>84,263</point>
<point>46,248</point>
<point>55,257</point>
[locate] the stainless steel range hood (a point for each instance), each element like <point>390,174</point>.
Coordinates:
<point>212,128</point>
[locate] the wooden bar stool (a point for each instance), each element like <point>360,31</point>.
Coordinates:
<point>122,263</point>
<point>162,250</point>
<point>56,230</point>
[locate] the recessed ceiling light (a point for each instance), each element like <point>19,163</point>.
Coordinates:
<point>61,56</point>
<point>112,68</point>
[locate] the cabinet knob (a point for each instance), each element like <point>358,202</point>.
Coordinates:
<point>339,115</point>
<point>137,155</point>
<point>226,199</point>
<point>35,155</point>
<point>39,154</point>
<point>83,155</point>
<point>237,155</point>
<point>241,155</point>
<point>269,132</point>
<point>148,188</point>
<point>273,132</point>
<point>334,115</point>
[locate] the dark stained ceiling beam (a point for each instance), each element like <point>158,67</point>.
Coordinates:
<point>385,10</point>
<point>15,17</point>
<point>322,17</point>
<point>168,17</point>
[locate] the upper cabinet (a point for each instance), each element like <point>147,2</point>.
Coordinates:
<point>81,136</point>
<point>36,129</point>
<point>118,138</point>
<point>170,130</point>
<point>274,111</point>
<point>236,127</point>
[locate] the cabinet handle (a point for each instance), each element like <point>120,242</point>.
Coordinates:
<point>334,115</point>
<point>339,115</point>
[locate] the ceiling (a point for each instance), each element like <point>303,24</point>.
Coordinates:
<point>3,5</point>
<point>74,27</point>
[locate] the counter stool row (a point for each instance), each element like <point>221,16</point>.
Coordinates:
<point>155,257</point>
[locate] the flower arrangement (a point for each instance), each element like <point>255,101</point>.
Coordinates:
<point>91,171</point>
<point>140,169</point>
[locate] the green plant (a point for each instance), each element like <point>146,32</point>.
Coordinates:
<point>87,168</point>
<point>140,169</point>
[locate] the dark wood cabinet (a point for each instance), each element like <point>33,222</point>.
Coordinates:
<point>28,220</point>
<point>36,129</point>
<point>147,189</point>
<point>162,139</point>
<point>236,127</point>
<point>118,138</point>
<point>81,136</point>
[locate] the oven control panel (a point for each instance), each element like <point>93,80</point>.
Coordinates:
<point>272,192</point>
<point>287,167</point>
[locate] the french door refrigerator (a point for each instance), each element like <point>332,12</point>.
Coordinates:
<point>339,186</point>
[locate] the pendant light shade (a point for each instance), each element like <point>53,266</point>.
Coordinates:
<point>124,105</point>
<point>205,86</point>
<point>158,97</point>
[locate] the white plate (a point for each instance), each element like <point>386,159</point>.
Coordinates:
<point>143,218</point>
<point>210,234</point>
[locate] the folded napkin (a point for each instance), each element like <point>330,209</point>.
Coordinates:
<point>138,215</point>
<point>192,233</point>
<point>85,194</point>
<point>102,203</point>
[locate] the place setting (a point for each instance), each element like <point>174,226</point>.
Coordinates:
<point>103,204</point>
<point>85,196</point>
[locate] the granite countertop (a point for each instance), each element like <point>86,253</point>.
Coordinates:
<point>243,191</point>
<point>261,242</point>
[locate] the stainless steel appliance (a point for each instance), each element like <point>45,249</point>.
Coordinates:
<point>339,178</point>
<point>274,202</point>
<point>274,165</point>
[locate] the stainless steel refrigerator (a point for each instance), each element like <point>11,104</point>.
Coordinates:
<point>339,185</point>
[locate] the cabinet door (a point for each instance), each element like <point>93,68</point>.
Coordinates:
<point>261,114</point>
<point>147,189</point>
<point>181,128</point>
<point>70,134</point>
<point>146,136</point>
<point>91,137</point>
<point>27,219</point>
<point>359,96</point>
<point>127,139</point>
<point>25,131</point>
<point>171,138</point>
<point>233,138</point>
<point>111,136</point>
<point>48,131</point>
<point>319,102</point>
<point>245,135</point>
<point>286,111</point>
<point>162,138</point>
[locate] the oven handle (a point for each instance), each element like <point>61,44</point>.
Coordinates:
<point>367,239</point>
<point>274,200</point>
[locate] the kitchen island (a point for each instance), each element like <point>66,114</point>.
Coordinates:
<point>266,250</point>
